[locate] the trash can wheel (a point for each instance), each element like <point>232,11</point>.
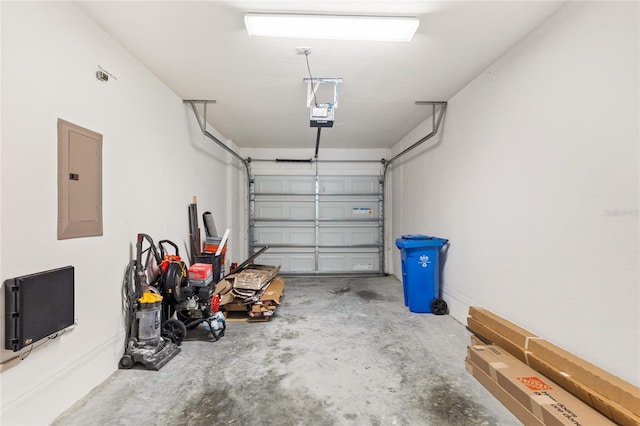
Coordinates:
<point>439,307</point>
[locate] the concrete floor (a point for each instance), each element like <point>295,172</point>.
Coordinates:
<point>339,351</point>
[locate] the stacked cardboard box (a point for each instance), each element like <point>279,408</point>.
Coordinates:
<point>241,304</point>
<point>534,399</point>
<point>611,396</point>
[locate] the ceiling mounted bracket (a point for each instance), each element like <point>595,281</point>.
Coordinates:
<point>321,114</point>
<point>202,123</point>
<point>313,84</point>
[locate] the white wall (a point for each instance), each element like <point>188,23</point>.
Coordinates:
<point>154,160</point>
<point>535,182</point>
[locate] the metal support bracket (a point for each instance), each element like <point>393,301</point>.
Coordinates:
<point>202,122</point>
<point>435,126</point>
<point>313,84</point>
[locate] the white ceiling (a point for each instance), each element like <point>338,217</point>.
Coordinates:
<point>201,50</point>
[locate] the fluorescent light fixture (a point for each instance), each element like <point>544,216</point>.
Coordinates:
<point>332,27</point>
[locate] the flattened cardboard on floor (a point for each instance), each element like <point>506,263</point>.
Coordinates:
<point>226,299</point>
<point>545,399</point>
<point>273,292</point>
<point>266,301</point>
<point>517,409</point>
<point>223,287</point>
<point>236,307</point>
<point>255,277</point>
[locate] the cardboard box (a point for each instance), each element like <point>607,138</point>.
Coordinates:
<point>236,307</point>
<point>525,416</point>
<point>608,394</point>
<point>223,287</point>
<point>200,271</point>
<point>488,334</point>
<point>476,340</point>
<point>614,388</point>
<point>596,400</point>
<point>545,399</point>
<point>226,299</point>
<point>263,303</point>
<point>512,332</point>
<point>273,293</point>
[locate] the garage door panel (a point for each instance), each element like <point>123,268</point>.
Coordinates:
<point>332,237</point>
<point>348,262</point>
<point>335,227</point>
<point>335,212</point>
<point>284,235</point>
<point>269,211</point>
<point>270,185</point>
<point>302,211</point>
<point>348,184</point>
<point>282,210</point>
<point>365,185</point>
<point>269,237</point>
<point>332,186</point>
<point>347,235</point>
<point>302,185</point>
<point>285,184</point>
<point>288,262</point>
<point>348,209</point>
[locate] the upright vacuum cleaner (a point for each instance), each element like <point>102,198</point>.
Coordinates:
<point>151,340</point>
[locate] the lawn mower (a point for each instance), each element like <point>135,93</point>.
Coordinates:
<point>160,305</point>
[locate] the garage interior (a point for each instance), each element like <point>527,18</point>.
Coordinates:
<point>509,128</point>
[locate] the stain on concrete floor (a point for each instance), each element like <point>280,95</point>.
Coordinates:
<point>370,295</point>
<point>449,406</point>
<point>349,357</point>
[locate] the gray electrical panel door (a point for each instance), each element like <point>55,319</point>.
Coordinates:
<point>318,224</point>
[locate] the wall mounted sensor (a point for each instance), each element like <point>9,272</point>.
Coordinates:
<point>102,76</point>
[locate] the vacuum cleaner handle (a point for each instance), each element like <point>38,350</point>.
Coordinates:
<point>141,264</point>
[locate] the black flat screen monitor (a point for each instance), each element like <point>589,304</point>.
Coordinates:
<point>38,306</point>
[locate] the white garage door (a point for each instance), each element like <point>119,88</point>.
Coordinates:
<point>323,225</point>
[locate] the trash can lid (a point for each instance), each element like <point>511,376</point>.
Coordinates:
<point>416,237</point>
<point>413,241</point>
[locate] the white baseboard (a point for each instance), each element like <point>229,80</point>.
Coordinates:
<point>458,304</point>
<point>13,407</point>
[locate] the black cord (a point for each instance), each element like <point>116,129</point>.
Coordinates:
<point>49,338</point>
<point>306,56</point>
<point>22,358</point>
<point>128,299</point>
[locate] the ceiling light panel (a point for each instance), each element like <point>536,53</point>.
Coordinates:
<point>331,27</point>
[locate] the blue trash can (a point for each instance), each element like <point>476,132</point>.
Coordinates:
<point>420,256</point>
